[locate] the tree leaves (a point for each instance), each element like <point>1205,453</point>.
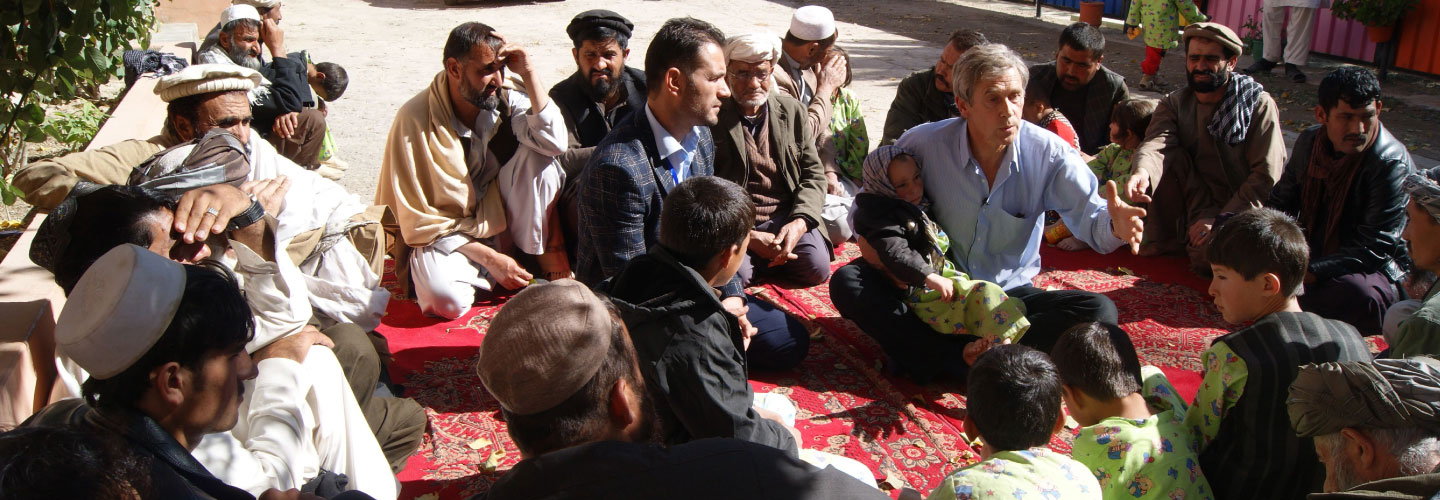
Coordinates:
<point>48,50</point>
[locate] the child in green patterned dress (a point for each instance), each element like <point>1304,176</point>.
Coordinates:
<point>1128,121</point>
<point>898,237</point>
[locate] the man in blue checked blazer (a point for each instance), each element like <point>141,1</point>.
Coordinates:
<point>644,158</point>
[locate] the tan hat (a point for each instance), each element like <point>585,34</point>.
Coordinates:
<point>812,22</point>
<point>546,343</point>
<point>1216,32</point>
<point>753,48</point>
<point>206,78</point>
<point>259,4</point>
<point>119,309</point>
<point>237,12</point>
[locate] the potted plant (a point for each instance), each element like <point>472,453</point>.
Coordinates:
<point>1091,12</point>
<point>1251,36</point>
<point>1378,16</point>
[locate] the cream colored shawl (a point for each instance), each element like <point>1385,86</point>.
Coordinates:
<point>423,176</point>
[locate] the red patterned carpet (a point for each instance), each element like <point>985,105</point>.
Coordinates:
<point>910,435</point>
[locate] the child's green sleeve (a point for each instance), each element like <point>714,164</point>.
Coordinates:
<point>1224,381</point>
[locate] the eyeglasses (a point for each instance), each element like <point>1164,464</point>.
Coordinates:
<point>746,76</point>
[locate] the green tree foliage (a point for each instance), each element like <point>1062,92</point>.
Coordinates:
<point>49,50</point>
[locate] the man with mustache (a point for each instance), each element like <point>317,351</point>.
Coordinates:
<point>283,105</point>
<point>924,96</point>
<point>1081,87</point>
<point>1217,143</point>
<point>468,158</point>
<point>761,144</point>
<point>602,94</point>
<point>1343,185</point>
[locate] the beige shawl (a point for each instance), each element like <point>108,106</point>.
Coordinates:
<point>423,175</point>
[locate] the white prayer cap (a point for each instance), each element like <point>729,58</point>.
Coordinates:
<point>206,78</point>
<point>259,4</point>
<point>119,309</point>
<point>237,12</point>
<point>753,48</point>
<point>812,22</point>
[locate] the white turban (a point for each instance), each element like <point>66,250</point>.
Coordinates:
<point>259,4</point>
<point>753,48</point>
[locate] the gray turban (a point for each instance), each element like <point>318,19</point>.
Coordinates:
<point>1384,394</point>
<point>1422,187</point>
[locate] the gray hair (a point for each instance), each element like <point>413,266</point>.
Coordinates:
<point>1416,451</point>
<point>229,27</point>
<point>984,61</point>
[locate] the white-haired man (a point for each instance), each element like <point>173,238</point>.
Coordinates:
<point>763,143</point>
<point>1376,426</point>
<point>999,175</point>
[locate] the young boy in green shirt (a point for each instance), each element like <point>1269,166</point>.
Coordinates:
<point>1239,419</point>
<point>1013,406</point>
<point>1133,436</point>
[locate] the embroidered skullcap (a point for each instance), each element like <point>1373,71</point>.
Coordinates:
<point>753,48</point>
<point>53,236</point>
<point>119,309</point>
<point>545,344</point>
<point>1383,394</point>
<point>206,78</point>
<point>598,18</point>
<point>812,22</point>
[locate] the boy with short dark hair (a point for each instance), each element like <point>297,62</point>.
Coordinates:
<point>1136,444</point>
<point>1239,419</point>
<point>1013,406</point>
<point>691,350</point>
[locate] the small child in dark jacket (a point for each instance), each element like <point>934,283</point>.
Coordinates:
<point>691,350</point>
<point>890,218</point>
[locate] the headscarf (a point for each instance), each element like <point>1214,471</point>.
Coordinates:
<point>1423,189</point>
<point>875,176</point>
<point>1383,394</point>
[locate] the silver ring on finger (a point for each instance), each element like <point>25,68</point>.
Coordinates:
<point>212,211</point>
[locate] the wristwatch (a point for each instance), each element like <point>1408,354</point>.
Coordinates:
<point>249,216</point>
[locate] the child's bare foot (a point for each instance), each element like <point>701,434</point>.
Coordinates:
<point>1072,244</point>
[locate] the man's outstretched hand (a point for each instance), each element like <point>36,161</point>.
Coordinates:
<point>1136,187</point>
<point>1126,221</point>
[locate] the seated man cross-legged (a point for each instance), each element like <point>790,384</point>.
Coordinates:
<point>993,176</point>
<point>763,144</point>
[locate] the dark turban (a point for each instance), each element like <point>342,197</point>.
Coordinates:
<point>1384,394</point>
<point>598,18</point>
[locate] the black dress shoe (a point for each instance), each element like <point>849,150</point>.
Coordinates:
<point>1260,66</point>
<point>1294,74</point>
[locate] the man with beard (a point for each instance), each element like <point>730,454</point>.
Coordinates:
<point>468,157</point>
<point>603,91</point>
<point>761,144</point>
<point>1082,88</point>
<point>283,105</point>
<point>601,94</point>
<point>808,74</point>
<point>1343,185</point>
<point>644,158</point>
<point>925,96</point>
<point>1217,143</point>
<point>560,363</point>
<point>1376,426</point>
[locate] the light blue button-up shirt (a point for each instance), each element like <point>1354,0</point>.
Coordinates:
<point>996,230</point>
<point>669,147</point>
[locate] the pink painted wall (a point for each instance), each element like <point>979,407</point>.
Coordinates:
<point>1332,36</point>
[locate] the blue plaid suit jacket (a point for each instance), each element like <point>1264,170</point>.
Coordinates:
<point>621,190</point>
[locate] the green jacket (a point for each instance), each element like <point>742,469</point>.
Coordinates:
<point>790,145</point>
<point>1419,335</point>
<point>916,101</point>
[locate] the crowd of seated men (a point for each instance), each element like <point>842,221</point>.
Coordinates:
<point>223,292</point>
